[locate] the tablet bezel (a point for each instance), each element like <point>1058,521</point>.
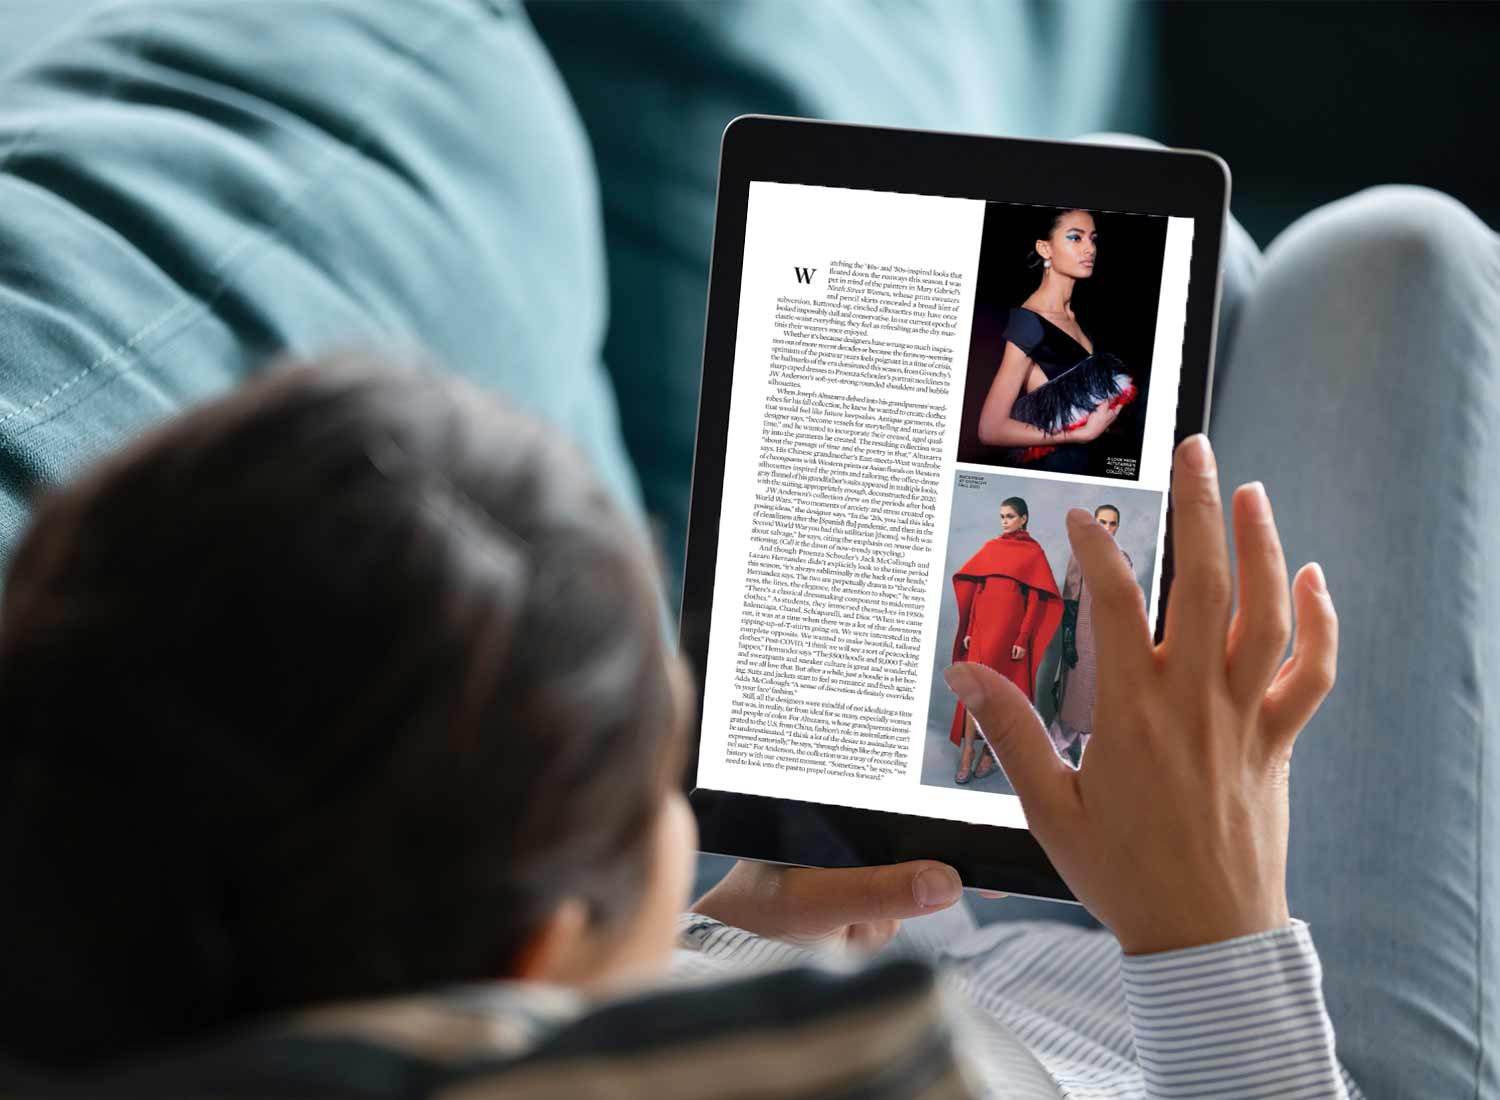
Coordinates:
<point>1142,180</point>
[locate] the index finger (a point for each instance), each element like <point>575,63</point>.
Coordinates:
<point>1119,611</point>
<point>1198,612</point>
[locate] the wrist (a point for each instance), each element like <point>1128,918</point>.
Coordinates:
<point>732,900</point>
<point>1164,937</point>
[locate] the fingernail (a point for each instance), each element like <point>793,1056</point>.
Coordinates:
<point>963,683</point>
<point>1197,454</point>
<point>936,886</point>
<point>1320,582</point>
<point>1260,504</point>
<point>1079,515</point>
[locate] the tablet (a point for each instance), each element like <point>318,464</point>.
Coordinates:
<point>923,349</point>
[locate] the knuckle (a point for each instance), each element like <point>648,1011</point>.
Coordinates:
<point>1002,732</point>
<point>877,903</point>
<point>1118,595</point>
<point>1209,587</point>
<point>1201,492</point>
<point>1273,629</point>
<point>1279,637</point>
<point>1323,676</point>
<point>1278,766</point>
<point>996,729</point>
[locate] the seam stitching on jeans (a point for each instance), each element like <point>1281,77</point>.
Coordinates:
<point>113,353</point>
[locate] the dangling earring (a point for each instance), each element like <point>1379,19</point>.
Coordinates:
<point>1046,263</point>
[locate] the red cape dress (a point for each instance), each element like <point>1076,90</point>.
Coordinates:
<point>1006,596</point>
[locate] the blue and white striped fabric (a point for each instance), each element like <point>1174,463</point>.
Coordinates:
<point>1045,1011</point>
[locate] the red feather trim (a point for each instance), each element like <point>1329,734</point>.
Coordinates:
<point>1119,401</point>
<point>1125,397</point>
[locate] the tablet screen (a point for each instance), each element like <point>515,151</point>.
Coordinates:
<point>923,387</point>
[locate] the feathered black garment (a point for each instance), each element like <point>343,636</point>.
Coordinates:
<point>1066,401</point>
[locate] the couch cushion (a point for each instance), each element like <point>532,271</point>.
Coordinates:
<point>657,83</point>
<point>187,189</point>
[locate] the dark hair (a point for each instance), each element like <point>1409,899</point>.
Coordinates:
<point>1046,224</point>
<point>329,690</point>
<point>1111,507</point>
<point>1019,504</point>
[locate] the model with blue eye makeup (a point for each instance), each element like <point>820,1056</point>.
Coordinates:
<point>1052,392</point>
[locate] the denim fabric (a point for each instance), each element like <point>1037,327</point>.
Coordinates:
<point>189,188</point>
<point>1364,390</point>
<point>657,82</point>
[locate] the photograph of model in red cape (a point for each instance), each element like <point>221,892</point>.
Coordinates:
<point>1008,611</point>
<point>1007,599</point>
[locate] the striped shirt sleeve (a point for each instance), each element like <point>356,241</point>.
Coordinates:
<point>1241,1018</point>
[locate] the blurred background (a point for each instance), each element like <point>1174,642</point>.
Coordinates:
<point>1309,100</point>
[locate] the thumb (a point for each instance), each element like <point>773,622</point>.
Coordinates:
<point>854,895</point>
<point>1015,733</point>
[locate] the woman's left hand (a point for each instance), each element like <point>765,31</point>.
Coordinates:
<point>837,907</point>
<point>1017,652</point>
<point>1098,423</point>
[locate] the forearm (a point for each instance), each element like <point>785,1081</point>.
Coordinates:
<point>1005,431</point>
<point>1030,621</point>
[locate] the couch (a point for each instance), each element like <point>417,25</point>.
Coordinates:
<point>522,194</point>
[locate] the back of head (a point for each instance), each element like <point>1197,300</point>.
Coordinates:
<point>331,689</point>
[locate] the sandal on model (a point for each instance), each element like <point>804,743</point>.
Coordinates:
<point>963,775</point>
<point>989,771</point>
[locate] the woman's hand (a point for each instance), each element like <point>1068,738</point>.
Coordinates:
<point>966,641</point>
<point>1017,652</point>
<point>1104,414</point>
<point>846,907</point>
<point>1174,831</point>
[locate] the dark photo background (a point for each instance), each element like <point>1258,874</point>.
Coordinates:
<point>1116,307</point>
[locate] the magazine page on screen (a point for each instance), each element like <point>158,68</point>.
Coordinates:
<point>923,387</point>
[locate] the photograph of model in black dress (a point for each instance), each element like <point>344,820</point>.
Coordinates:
<point>1060,351</point>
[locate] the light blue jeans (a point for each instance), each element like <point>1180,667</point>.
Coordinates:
<point>1361,383</point>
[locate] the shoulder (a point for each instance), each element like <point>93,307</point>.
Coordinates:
<point>888,1020</point>
<point>1027,546</point>
<point>808,1030</point>
<point>983,560</point>
<point>1038,554</point>
<point>1023,328</point>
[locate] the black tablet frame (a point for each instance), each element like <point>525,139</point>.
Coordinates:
<point>786,150</point>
